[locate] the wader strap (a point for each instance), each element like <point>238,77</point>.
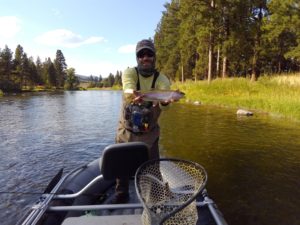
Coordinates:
<point>138,86</point>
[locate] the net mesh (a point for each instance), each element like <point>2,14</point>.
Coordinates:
<point>167,189</point>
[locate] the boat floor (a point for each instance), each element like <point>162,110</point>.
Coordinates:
<point>128,216</point>
<point>105,220</point>
<point>125,216</point>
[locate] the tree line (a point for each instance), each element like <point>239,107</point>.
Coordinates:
<point>110,81</point>
<point>18,71</point>
<point>205,39</point>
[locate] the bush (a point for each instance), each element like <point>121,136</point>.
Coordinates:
<point>9,86</point>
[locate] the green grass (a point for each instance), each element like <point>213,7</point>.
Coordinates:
<point>115,87</point>
<point>278,95</point>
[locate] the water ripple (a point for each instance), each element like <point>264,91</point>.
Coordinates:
<point>41,133</point>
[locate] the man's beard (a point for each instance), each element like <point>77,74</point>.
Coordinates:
<point>146,71</point>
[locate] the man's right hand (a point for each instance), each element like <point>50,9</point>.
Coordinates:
<point>138,97</point>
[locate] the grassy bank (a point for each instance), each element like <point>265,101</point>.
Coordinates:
<point>278,95</point>
<point>115,88</point>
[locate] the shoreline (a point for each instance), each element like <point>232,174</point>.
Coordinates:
<point>267,95</point>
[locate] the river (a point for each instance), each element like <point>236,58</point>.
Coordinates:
<point>253,163</point>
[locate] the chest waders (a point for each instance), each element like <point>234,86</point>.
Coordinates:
<point>139,122</point>
<point>148,130</point>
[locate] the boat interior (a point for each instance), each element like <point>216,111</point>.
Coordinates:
<point>75,201</point>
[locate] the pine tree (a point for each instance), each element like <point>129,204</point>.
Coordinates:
<point>33,73</point>
<point>49,73</point>
<point>26,72</point>
<point>6,66</point>
<point>60,67</point>
<point>118,78</point>
<point>18,66</point>
<point>166,41</point>
<point>39,70</point>
<point>188,40</point>
<point>282,36</point>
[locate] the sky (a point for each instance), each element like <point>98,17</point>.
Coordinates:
<point>96,37</point>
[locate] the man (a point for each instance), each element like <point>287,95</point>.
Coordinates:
<point>139,119</point>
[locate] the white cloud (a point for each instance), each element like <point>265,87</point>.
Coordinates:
<point>126,49</point>
<point>10,26</point>
<point>65,38</point>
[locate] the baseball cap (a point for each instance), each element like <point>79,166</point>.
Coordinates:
<point>145,44</point>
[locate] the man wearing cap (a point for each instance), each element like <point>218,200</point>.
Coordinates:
<point>144,77</point>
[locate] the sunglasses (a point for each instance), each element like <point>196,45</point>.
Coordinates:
<point>143,53</point>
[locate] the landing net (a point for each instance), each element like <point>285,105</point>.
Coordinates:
<point>168,188</point>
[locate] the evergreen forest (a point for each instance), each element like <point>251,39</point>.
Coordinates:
<point>18,72</point>
<point>207,39</point>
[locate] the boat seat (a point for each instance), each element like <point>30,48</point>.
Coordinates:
<point>121,160</point>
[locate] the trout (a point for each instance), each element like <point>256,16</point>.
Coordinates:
<point>160,95</point>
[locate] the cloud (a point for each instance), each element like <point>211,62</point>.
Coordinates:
<point>65,38</point>
<point>127,49</point>
<point>10,26</point>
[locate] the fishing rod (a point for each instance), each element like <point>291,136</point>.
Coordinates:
<point>55,180</point>
<point>40,193</point>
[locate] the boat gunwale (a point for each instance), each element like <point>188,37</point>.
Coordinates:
<point>43,204</point>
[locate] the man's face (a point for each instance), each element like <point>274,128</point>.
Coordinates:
<point>146,58</point>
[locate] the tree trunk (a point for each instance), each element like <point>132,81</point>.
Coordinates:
<point>210,52</point>
<point>279,66</point>
<point>210,49</point>
<point>182,76</point>
<point>218,62</point>
<point>254,67</point>
<point>224,67</point>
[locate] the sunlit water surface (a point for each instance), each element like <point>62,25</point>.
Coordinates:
<point>253,163</point>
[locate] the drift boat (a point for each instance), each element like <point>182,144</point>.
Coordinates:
<point>164,191</point>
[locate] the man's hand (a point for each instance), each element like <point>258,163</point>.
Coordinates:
<point>138,97</point>
<point>165,103</point>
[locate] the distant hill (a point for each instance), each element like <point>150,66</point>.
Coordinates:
<point>83,78</point>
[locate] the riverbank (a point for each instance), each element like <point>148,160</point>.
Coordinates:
<point>37,89</point>
<point>46,89</point>
<point>114,88</point>
<point>277,95</point>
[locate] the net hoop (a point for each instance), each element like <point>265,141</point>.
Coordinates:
<point>180,169</point>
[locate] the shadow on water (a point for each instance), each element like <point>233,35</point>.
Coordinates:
<point>253,163</point>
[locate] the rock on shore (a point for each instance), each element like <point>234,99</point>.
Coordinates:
<point>243,112</point>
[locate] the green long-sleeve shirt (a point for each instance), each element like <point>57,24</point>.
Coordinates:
<point>129,80</point>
